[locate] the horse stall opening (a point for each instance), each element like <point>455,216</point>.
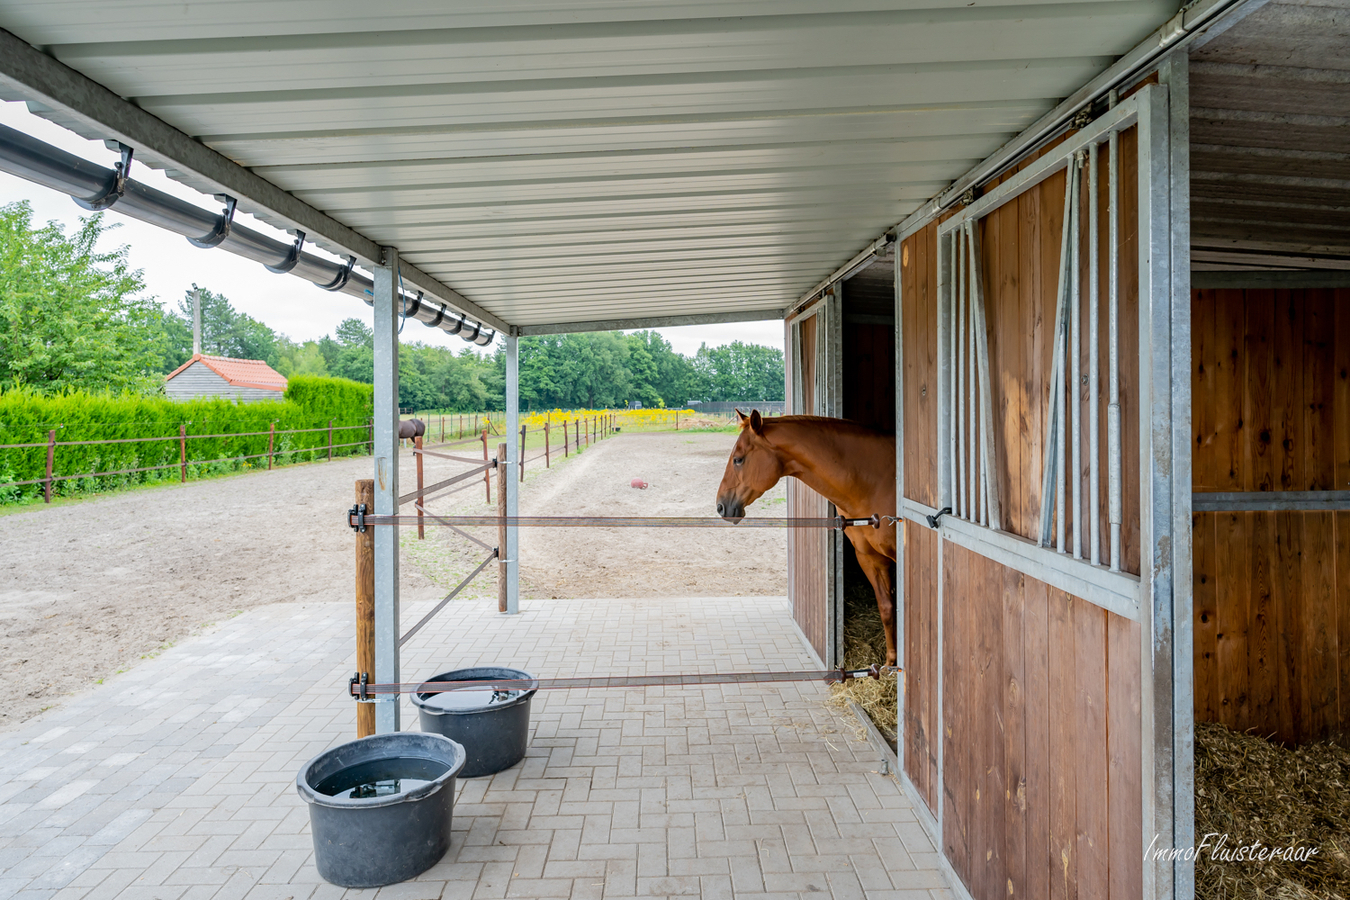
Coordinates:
<point>1270,375</point>
<point>1025,700</point>
<point>841,364</point>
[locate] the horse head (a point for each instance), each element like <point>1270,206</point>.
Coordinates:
<point>753,468</point>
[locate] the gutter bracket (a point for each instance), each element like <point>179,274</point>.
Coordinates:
<point>117,185</point>
<point>340,280</point>
<point>222,229</point>
<point>292,257</point>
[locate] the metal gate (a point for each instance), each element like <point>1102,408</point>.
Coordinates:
<point>1046,476</point>
<point>816,558</point>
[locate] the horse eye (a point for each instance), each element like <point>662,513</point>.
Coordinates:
<point>738,460</point>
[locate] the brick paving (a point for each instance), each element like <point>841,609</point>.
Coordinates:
<point>175,781</point>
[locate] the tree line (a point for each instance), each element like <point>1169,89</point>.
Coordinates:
<point>76,318</point>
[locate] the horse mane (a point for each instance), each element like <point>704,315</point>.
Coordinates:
<point>838,425</point>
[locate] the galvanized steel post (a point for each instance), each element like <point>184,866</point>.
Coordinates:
<point>1166,666</point>
<point>1175,73</point>
<point>386,487</point>
<point>514,451</point>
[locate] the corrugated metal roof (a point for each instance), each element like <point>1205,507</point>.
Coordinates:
<point>1270,115</point>
<point>253,373</point>
<point>618,159</point>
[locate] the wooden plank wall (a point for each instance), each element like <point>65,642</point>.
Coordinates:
<point>808,548</point>
<point>918,287</point>
<point>1041,781</point>
<point>921,698</point>
<point>1041,778</point>
<point>1271,412</point>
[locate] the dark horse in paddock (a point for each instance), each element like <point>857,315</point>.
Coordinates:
<point>851,466</point>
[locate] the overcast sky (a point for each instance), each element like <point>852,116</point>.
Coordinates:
<point>289,305</point>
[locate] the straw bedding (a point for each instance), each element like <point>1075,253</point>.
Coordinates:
<point>1246,787</point>
<point>865,644</point>
<point>1252,789</point>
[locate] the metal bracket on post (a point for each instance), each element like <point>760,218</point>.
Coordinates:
<point>356,517</point>
<point>358,686</point>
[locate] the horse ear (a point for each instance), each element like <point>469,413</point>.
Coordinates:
<point>740,416</point>
<point>756,423</point>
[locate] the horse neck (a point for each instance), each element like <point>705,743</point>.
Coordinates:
<point>824,460</point>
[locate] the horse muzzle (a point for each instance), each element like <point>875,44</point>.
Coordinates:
<point>731,509</point>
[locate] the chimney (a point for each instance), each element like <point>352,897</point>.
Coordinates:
<point>196,321</point>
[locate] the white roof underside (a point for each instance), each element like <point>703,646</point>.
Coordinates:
<point>615,160</point>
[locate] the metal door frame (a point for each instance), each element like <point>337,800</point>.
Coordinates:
<point>1160,598</point>
<point>827,401</point>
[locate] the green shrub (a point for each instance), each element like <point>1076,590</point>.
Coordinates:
<point>223,435</point>
<point>337,398</point>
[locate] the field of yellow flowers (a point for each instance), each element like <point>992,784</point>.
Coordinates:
<point>454,426</point>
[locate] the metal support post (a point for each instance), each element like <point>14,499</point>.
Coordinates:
<point>901,257</point>
<point>1164,600</point>
<point>386,487</point>
<point>513,452</point>
<point>1175,73</point>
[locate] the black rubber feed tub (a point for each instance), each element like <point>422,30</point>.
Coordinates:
<point>493,726</point>
<point>380,808</point>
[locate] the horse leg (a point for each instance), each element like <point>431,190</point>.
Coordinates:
<point>877,568</point>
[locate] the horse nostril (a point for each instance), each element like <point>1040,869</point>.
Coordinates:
<point>721,509</point>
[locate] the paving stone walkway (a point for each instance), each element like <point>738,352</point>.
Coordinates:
<point>175,781</point>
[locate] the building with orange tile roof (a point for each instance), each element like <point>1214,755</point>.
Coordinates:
<point>245,380</point>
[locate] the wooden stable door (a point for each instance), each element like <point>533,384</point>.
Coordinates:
<point>815,555</point>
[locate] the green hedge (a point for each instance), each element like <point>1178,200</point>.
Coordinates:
<point>217,440</point>
<point>333,397</point>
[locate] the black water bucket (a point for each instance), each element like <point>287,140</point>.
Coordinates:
<point>380,807</point>
<point>493,726</point>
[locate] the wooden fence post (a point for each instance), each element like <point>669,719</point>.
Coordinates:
<point>330,440</point>
<point>417,455</point>
<point>442,429</point>
<point>182,454</point>
<point>51,458</point>
<point>522,453</point>
<point>548,461</point>
<point>501,528</point>
<point>365,606</point>
<point>271,436</point>
<point>487,474</point>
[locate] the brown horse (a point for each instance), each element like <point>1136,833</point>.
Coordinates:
<point>851,466</point>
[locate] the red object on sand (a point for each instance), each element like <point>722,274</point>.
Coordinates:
<point>638,483</point>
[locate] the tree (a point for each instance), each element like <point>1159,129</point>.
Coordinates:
<point>673,381</point>
<point>738,371</point>
<point>354,356</point>
<point>301,359</point>
<point>70,315</point>
<point>225,332</point>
